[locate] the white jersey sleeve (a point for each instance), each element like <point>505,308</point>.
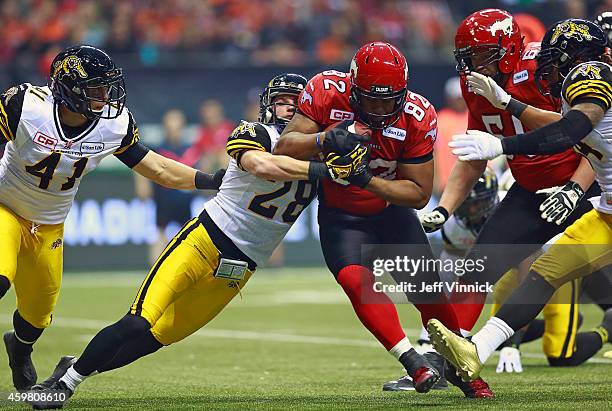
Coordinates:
<point>43,165</point>
<point>256,213</point>
<point>592,82</point>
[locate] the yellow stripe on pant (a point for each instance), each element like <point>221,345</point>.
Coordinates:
<point>31,257</point>
<point>180,294</point>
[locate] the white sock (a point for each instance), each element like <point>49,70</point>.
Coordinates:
<point>424,334</point>
<point>72,378</point>
<point>400,348</point>
<point>491,336</point>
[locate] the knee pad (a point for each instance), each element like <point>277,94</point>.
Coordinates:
<point>5,284</point>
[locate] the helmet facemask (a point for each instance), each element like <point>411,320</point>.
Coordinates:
<point>374,119</point>
<point>269,105</point>
<point>485,54</point>
<point>553,66</point>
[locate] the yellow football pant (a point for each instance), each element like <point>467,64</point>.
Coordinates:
<point>584,248</point>
<point>180,294</point>
<point>31,258</point>
<point>560,314</point>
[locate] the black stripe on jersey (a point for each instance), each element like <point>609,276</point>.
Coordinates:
<point>178,239</point>
<point>60,131</point>
<point>570,326</point>
<point>132,136</point>
<point>6,132</point>
<point>590,88</point>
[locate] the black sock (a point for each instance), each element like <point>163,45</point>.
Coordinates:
<point>26,335</point>
<point>526,301</point>
<point>534,331</point>
<point>133,350</point>
<point>107,343</point>
<point>5,284</point>
<point>587,345</point>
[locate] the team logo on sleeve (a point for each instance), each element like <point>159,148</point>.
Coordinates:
<point>569,29</point>
<point>244,128</point>
<point>505,26</point>
<point>9,94</point>
<point>588,71</point>
<point>306,97</point>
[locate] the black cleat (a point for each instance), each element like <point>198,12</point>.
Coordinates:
<point>22,368</point>
<point>405,384</point>
<point>52,398</point>
<point>60,369</point>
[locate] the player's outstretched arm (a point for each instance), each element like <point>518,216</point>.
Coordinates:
<point>299,138</point>
<point>529,116</point>
<point>172,174</point>
<point>412,189</point>
<point>460,182</point>
<point>274,167</point>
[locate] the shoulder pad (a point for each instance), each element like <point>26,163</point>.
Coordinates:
<point>589,80</point>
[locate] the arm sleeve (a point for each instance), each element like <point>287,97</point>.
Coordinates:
<point>587,83</point>
<point>419,144</point>
<point>552,138</point>
<point>247,136</point>
<point>11,104</point>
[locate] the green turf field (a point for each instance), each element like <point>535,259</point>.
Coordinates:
<point>292,341</point>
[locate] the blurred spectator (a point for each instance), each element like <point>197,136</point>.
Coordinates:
<point>452,119</point>
<point>173,206</point>
<point>209,147</point>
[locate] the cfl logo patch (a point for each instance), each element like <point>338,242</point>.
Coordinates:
<point>56,244</point>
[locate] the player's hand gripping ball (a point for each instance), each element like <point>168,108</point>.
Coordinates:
<point>341,138</point>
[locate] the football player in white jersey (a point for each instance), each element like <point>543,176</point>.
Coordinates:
<point>573,65</point>
<point>54,135</point>
<point>210,260</point>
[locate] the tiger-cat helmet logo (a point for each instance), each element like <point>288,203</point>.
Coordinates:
<point>70,66</point>
<point>570,29</point>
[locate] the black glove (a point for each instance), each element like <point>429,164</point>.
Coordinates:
<point>205,181</point>
<point>341,141</point>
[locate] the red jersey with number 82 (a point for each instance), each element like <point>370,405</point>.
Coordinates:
<point>530,172</point>
<point>325,100</point>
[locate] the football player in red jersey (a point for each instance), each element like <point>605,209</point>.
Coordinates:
<point>376,206</point>
<point>493,61</point>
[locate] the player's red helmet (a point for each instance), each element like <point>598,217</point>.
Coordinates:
<point>379,81</point>
<point>488,36</point>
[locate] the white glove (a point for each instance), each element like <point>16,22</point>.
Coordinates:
<point>509,360</point>
<point>561,202</point>
<point>476,145</point>
<point>487,87</point>
<point>434,220</point>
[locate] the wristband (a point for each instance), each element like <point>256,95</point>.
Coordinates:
<point>442,211</point>
<point>319,141</point>
<point>204,181</point>
<point>316,170</point>
<point>516,107</point>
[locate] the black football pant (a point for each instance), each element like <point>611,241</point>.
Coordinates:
<point>343,236</point>
<point>516,230</point>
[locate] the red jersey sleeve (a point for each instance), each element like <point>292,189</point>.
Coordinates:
<point>422,130</point>
<point>325,98</point>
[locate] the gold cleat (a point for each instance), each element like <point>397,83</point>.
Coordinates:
<point>459,351</point>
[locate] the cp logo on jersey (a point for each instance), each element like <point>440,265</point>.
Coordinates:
<point>569,29</point>
<point>45,141</point>
<point>71,66</point>
<point>340,115</point>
